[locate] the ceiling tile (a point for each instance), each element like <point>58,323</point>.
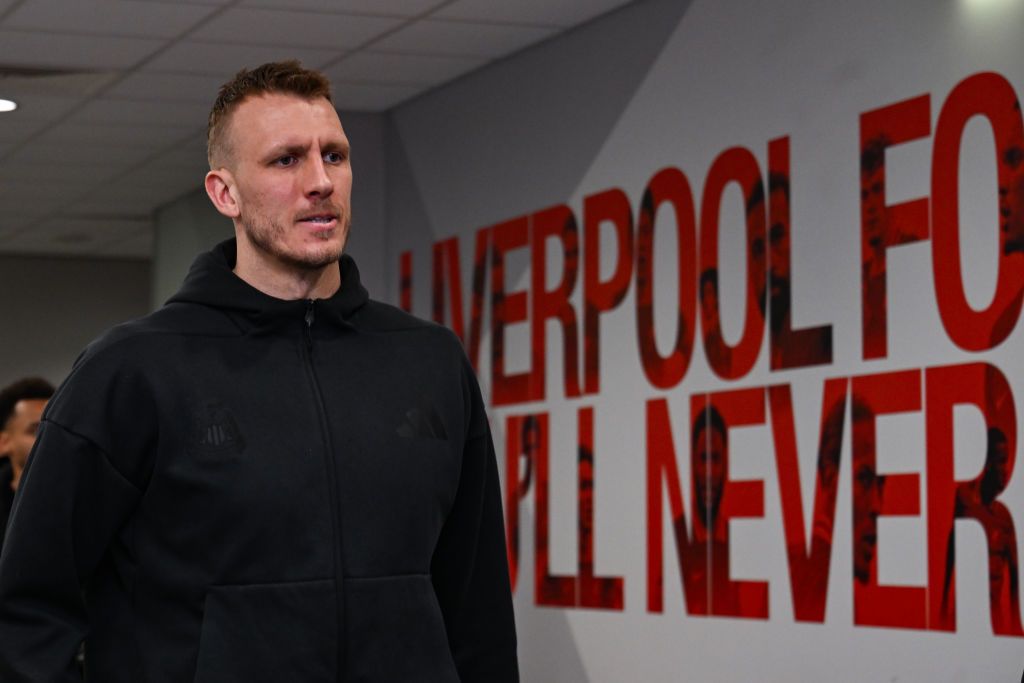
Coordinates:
<point>147,137</point>
<point>224,60</point>
<point>393,8</point>
<point>58,173</point>
<point>165,87</point>
<point>381,67</point>
<point>562,13</point>
<point>362,97</point>
<point>34,198</point>
<point>76,154</point>
<point>463,39</point>
<point>182,2</point>
<point>141,112</point>
<point>66,50</point>
<point>15,130</point>
<point>106,17</point>
<point>139,192</point>
<point>312,29</point>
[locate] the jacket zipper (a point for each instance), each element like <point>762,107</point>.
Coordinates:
<point>332,478</point>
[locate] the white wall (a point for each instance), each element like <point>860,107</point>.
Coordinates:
<point>52,307</point>
<point>669,84</point>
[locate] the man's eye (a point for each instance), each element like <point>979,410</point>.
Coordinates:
<point>288,160</point>
<point>334,157</point>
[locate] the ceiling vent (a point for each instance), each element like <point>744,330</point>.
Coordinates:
<point>26,80</point>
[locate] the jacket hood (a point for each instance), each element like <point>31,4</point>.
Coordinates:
<point>211,282</point>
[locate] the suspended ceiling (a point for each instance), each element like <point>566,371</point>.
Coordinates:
<point>113,94</point>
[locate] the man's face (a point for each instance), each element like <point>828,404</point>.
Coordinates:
<point>872,194</point>
<point>778,244</point>
<point>586,503</point>
<point>709,307</point>
<point>709,467</point>
<point>19,435</point>
<point>867,503</point>
<point>778,261</point>
<point>757,259</point>
<point>1011,195</point>
<point>292,179</point>
<point>645,254</point>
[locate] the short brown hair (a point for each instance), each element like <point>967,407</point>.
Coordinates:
<point>273,77</point>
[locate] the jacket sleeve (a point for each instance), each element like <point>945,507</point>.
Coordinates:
<point>69,504</point>
<point>83,480</point>
<point>470,566</point>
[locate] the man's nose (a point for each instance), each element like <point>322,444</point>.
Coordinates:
<point>318,181</point>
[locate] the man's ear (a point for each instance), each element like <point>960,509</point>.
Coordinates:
<point>220,187</point>
<point>5,443</point>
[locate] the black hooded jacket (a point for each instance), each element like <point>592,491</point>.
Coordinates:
<point>238,489</point>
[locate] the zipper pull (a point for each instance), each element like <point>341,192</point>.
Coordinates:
<point>310,317</point>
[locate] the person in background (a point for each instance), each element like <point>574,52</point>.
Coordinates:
<point>21,410</point>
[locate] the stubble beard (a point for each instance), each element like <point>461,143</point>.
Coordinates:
<point>265,234</point>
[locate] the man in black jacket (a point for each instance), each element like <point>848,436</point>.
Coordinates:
<point>272,478</point>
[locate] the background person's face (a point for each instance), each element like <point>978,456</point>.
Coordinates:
<point>778,244</point>
<point>867,504</point>
<point>586,502</point>
<point>1011,196</point>
<point>872,192</point>
<point>19,435</point>
<point>709,467</point>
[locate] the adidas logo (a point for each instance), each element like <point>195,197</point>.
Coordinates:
<point>424,422</point>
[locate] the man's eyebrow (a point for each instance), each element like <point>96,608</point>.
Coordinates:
<point>287,148</point>
<point>341,145</point>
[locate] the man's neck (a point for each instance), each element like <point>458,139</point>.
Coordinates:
<point>283,281</point>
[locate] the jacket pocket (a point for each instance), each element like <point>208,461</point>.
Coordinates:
<point>395,632</point>
<point>273,633</point>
